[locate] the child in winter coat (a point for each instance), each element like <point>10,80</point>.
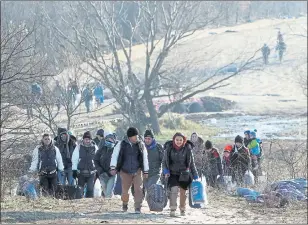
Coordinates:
<point>212,165</point>
<point>226,160</point>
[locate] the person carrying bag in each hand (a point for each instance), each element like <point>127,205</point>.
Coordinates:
<point>180,169</point>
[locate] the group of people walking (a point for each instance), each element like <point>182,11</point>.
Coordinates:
<point>140,162</point>
<point>280,47</point>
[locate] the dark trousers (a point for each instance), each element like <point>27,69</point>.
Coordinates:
<point>89,180</point>
<point>212,180</point>
<point>48,184</point>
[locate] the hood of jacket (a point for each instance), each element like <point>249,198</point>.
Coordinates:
<point>60,132</point>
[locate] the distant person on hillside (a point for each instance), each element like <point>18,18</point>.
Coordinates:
<point>279,37</point>
<point>36,91</point>
<point>265,53</point>
<point>59,93</point>
<point>73,91</point>
<point>99,94</point>
<point>281,48</point>
<point>88,97</point>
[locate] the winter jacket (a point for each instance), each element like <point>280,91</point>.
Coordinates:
<point>246,141</point>
<point>66,148</point>
<point>98,91</point>
<point>212,163</point>
<point>87,95</point>
<point>130,157</point>
<point>83,157</point>
<point>155,158</point>
<point>46,158</point>
<point>177,161</point>
<point>240,162</point>
<point>254,147</point>
<point>102,159</point>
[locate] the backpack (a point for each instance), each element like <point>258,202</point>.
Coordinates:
<point>156,197</point>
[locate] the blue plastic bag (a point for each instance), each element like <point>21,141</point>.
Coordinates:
<point>242,192</point>
<point>197,192</point>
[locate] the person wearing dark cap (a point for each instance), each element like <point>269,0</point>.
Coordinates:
<point>99,139</point>
<point>247,137</point>
<point>66,146</point>
<point>130,158</point>
<point>212,165</point>
<point>155,157</point>
<point>83,163</point>
<point>180,169</point>
<point>240,160</point>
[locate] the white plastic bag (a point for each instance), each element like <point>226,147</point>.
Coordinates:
<point>249,178</point>
<point>97,189</point>
<point>206,201</point>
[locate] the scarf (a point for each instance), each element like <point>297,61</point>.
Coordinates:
<point>152,145</point>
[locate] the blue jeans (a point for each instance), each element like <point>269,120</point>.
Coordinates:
<point>68,176</point>
<point>108,184</point>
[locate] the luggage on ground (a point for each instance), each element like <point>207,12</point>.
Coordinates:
<point>156,197</point>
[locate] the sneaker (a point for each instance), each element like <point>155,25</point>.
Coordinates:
<point>172,213</point>
<point>137,211</point>
<point>183,213</point>
<point>125,208</point>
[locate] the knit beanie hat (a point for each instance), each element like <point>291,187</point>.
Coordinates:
<point>208,144</point>
<point>253,134</point>
<point>87,134</point>
<point>239,139</point>
<point>132,131</point>
<point>149,133</point>
<point>100,132</point>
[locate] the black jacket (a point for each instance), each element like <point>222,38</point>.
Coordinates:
<point>102,159</point>
<point>66,148</point>
<point>177,161</point>
<point>212,164</point>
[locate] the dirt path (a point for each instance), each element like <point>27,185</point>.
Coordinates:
<point>221,209</point>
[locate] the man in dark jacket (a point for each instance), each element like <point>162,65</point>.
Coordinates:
<point>240,160</point>
<point>212,164</point>
<point>99,139</point>
<point>66,146</point>
<point>102,164</point>
<point>83,163</point>
<point>265,53</point>
<point>155,157</point>
<point>130,157</point>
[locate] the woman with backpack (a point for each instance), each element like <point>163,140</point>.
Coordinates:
<point>180,169</point>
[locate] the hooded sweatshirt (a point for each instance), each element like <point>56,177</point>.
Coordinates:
<point>66,148</point>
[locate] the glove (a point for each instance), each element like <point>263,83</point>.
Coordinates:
<point>75,174</point>
<point>196,177</point>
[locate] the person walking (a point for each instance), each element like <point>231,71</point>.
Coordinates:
<point>46,160</point>
<point>179,169</point>
<point>131,159</point>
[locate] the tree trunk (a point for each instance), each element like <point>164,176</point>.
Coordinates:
<point>153,113</point>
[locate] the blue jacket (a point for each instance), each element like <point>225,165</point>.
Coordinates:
<point>98,91</point>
